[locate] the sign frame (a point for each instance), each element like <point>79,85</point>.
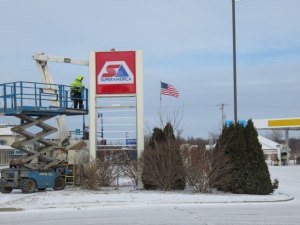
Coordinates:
<point>94,71</point>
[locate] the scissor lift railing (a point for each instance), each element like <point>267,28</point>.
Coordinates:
<point>32,103</point>
<point>38,99</point>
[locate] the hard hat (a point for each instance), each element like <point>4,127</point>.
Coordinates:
<point>79,77</point>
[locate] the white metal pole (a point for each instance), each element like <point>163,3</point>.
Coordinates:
<point>92,107</point>
<point>139,109</point>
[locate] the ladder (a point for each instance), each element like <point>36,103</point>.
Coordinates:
<point>70,178</point>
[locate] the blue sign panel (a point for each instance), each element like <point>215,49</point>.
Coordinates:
<point>130,141</point>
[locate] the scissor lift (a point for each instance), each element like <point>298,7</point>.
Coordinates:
<point>32,104</point>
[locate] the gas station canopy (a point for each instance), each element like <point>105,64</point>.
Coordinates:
<point>279,123</point>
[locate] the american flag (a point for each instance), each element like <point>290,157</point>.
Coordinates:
<point>168,89</point>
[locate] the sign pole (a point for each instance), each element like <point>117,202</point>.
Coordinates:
<point>139,111</point>
<point>92,109</point>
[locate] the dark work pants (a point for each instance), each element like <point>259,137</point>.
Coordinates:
<point>78,101</point>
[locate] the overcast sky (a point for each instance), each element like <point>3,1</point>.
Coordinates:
<point>187,43</point>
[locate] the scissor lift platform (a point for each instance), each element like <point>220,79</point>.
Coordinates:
<point>35,103</point>
<point>37,99</point>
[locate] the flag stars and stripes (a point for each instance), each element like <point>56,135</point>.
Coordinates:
<point>168,89</point>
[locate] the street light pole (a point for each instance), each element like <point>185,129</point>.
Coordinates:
<point>101,117</point>
<point>102,135</point>
<point>234,62</point>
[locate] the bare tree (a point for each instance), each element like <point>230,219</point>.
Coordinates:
<point>275,135</point>
<point>173,117</point>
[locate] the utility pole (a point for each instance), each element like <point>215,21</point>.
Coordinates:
<point>223,114</point>
<point>234,61</point>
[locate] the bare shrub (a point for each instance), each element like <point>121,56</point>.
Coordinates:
<point>162,167</point>
<point>107,173</point>
<point>108,167</point>
<point>220,174</point>
<point>206,170</point>
<point>161,162</point>
<point>129,167</point>
<point>101,172</point>
<point>88,175</point>
<point>196,164</point>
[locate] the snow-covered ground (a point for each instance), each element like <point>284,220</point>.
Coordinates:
<point>127,206</point>
<point>289,188</point>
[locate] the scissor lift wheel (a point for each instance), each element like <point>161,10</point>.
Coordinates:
<point>28,185</point>
<point>4,187</point>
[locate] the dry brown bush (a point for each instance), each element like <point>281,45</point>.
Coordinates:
<point>100,173</point>
<point>88,176</point>
<point>206,169</point>
<point>129,167</point>
<point>162,166</point>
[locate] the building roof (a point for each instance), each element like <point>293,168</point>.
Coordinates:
<point>267,144</point>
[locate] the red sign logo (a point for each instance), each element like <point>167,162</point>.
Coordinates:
<point>115,72</point>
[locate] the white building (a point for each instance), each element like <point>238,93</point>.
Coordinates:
<point>272,149</point>
<point>269,147</point>
<point>7,137</point>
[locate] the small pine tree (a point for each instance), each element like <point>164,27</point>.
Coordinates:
<point>249,174</point>
<point>158,136</point>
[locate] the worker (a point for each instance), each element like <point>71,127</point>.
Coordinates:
<point>76,92</point>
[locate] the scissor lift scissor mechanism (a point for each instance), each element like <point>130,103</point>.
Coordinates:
<point>46,147</point>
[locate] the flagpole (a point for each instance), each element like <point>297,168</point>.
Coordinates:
<point>166,89</point>
<point>160,104</point>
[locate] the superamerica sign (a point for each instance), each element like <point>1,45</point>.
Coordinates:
<point>115,72</point>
